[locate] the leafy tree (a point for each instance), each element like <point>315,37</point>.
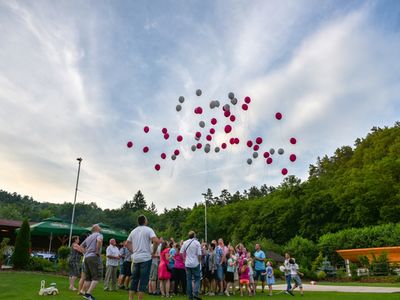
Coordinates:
<point>20,257</point>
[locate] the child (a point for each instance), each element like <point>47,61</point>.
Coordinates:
<point>294,272</point>
<point>251,273</point>
<point>269,272</point>
<point>244,278</point>
<point>229,276</point>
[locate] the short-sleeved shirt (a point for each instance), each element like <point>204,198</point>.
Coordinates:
<point>140,237</point>
<point>219,252</point>
<point>230,267</point>
<point>90,244</point>
<point>192,249</point>
<point>294,268</point>
<point>112,251</point>
<point>172,252</point>
<point>259,265</point>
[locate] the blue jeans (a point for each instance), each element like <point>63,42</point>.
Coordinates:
<point>140,276</point>
<point>288,282</point>
<point>192,274</point>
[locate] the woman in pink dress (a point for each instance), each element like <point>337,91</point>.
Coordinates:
<point>164,275</point>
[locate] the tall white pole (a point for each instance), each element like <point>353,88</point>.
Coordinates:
<point>73,207</point>
<point>205,219</point>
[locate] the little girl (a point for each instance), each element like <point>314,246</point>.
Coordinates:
<point>251,273</point>
<point>244,278</point>
<point>270,277</point>
<point>229,276</point>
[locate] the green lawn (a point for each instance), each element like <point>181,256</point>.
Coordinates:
<point>25,285</point>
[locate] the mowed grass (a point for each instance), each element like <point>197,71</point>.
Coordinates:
<point>26,285</point>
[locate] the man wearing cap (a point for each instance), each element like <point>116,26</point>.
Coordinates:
<point>91,247</point>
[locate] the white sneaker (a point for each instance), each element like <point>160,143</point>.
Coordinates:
<point>227,293</point>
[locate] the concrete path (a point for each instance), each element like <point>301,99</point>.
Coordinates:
<point>346,289</point>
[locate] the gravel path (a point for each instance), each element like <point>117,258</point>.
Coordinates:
<point>346,289</point>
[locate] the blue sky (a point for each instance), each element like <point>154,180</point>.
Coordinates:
<point>81,78</point>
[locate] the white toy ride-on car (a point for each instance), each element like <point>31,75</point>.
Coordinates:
<point>51,290</point>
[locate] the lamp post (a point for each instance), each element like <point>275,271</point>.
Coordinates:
<point>73,207</point>
<point>205,219</point>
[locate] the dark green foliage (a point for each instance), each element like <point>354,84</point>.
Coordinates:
<point>63,252</point>
<point>40,264</point>
<point>20,257</point>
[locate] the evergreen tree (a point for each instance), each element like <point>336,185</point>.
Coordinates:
<point>20,257</point>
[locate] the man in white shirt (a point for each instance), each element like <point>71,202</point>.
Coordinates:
<point>139,243</point>
<point>112,253</point>
<point>191,250</point>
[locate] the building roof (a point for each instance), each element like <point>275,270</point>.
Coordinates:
<point>275,256</point>
<point>393,253</point>
<point>13,223</point>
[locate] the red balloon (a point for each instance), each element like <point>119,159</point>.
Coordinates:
<point>146,149</point>
<point>228,128</point>
<point>146,129</point>
<point>256,147</point>
<point>212,130</point>
<point>157,167</point>
<point>129,144</point>
<point>247,99</point>
<point>245,106</point>
<point>266,154</point>
<point>198,110</point>
<point>278,116</point>
<point>237,141</point>
<point>163,155</point>
<point>179,138</point>
<point>284,171</point>
<point>209,137</point>
<point>223,145</point>
<point>199,145</point>
<point>292,157</point>
<point>269,160</point>
<point>259,140</point>
<point>166,136</point>
<point>198,134</point>
<point>249,144</point>
<point>213,121</point>
<point>227,113</point>
<point>164,130</point>
<point>293,141</point>
<point>232,118</point>
<point>176,152</point>
<point>231,141</point>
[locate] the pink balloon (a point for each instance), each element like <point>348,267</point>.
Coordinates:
<point>232,118</point>
<point>292,157</point>
<point>146,129</point>
<point>245,106</point>
<point>249,144</point>
<point>163,155</point>
<point>259,140</point>
<point>166,136</point>
<point>157,167</point>
<point>228,128</point>
<point>198,110</point>
<point>266,154</point>
<point>278,116</point>
<point>209,137</point>
<point>164,130</point>
<point>256,147</point>
<point>269,160</point>
<point>198,134</point>
<point>176,152</point>
<point>179,138</point>
<point>293,141</point>
<point>199,145</point>
<point>223,145</point>
<point>231,141</point>
<point>247,99</point>
<point>213,121</point>
<point>212,130</point>
<point>284,171</point>
<point>146,149</point>
<point>237,141</point>
<point>227,113</point>
<point>129,144</point>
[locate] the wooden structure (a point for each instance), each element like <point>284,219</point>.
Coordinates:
<point>393,253</point>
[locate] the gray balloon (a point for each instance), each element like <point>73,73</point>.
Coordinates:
<point>197,138</point>
<point>207,146</point>
<point>212,104</point>
<point>207,149</point>
<point>281,151</point>
<point>181,99</point>
<point>217,103</point>
<point>231,95</point>
<point>216,149</point>
<point>198,92</point>
<point>202,124</point>
<point>193,148</point>
<point>173,156</point>
<point>249,161</point>
<point>227,107</point>
<point>272,151</point>
<point>234,101</point>
<point>178,107</point>
<point>255,154</point>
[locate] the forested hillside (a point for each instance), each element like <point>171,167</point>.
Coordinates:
<point>356,187</point>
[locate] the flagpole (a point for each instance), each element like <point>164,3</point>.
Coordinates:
<point>73,207</point>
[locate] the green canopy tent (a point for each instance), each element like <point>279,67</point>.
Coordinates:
<point>55,227</point>
<point>109,233</point>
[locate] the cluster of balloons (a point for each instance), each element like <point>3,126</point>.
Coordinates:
<point>204,138</point>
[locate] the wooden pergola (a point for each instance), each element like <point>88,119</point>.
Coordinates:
<point>393,253</point>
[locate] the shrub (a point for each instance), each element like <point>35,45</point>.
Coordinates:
<point>40,264</point>
<point>303,250</point>
<point>321,275</point>
<point>341,273</point>
<point>63,252</point>
<point>20,257</point>
<point>62,265</point>
<point>380,265</point>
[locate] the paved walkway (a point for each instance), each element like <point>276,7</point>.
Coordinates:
<point>346,289</point>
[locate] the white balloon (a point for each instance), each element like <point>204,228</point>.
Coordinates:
<point>198,92</point>
<point>181,99</point>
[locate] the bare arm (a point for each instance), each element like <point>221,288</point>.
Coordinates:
<point>129,246</point>
<point>155,241</point>
<point>99,243</point>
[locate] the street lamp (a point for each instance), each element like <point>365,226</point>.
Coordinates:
<point>79,159</point>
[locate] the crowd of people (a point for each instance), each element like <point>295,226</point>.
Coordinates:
<point>148,264</point>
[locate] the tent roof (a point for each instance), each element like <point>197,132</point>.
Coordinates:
<point>56,226</point>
